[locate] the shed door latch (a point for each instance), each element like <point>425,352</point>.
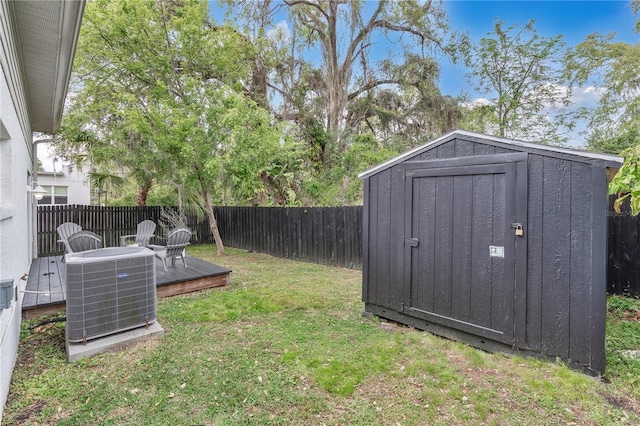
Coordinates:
<point>413,242</point>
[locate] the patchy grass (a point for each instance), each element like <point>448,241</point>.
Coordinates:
<point>623,347</point>
<point>285,344</point>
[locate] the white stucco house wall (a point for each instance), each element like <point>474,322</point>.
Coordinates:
<point>37,43</point>
<point>70,185</point>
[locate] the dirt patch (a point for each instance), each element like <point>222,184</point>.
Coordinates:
<point>631,316</point>
<point>30,411</point>
<point>622,402</point>
<point>46,335</point>
<point>388,325</point>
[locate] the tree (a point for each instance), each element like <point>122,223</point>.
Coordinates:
<point>258,17</point>
<point>323,73</point>
<point>160,76</point>
<point>344,33</point>
<point>521,73</point>
<point>410,116</point>
<point>613,124</point>
<point>600,62</point>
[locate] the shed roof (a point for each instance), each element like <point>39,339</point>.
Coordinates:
<point>606,160</point>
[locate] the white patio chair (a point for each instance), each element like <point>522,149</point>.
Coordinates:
<point>143,235</point>
<point>176,242</point>
<point>64,231</point>
<point>84,240</point>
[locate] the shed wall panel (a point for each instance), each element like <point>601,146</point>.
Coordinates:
<point>481,149</point>
<point>366,251</point>
<point>580,318</point>
<point>428,155</point>
<point>395,255</point>
<point>370,250</point>
<point>446,150</point>
<point>380,242</point>
<point>556,226</point>
<point>464,148</point>
<point>534,254</point>
<point>599,268</point>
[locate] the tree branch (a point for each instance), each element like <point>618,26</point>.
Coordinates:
<point>370,85</point>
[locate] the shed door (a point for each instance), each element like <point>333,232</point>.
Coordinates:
<point>460,242</point>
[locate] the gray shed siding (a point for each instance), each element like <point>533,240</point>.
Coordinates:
<point>560,312</point>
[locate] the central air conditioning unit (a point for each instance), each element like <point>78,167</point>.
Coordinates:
<point>109,290</point>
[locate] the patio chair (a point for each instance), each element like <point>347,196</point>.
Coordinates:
<point>64,231</point>
<point>143,235</point>
<point>83,241</point>
<point>176,242</point>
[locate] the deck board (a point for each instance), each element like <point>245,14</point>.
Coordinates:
<point>45,291</point>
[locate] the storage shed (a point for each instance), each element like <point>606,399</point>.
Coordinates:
<point>496,242</point>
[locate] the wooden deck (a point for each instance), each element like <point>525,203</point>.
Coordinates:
<point>45,292</point>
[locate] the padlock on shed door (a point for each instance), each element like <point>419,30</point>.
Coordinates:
<point>519,230</point>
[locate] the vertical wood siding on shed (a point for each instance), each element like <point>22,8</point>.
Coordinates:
<point>563,315</point>
<point>380,239</point>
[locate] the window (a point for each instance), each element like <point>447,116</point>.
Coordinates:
<point>57,195</point>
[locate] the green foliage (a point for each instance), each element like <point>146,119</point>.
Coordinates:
<point>159,195</point>
<point>160,97</point>
<point>616,144</point>
<point>340,185</point>
<point>600,62</point>
<point>166,98</point>
<point>518,69</point>
<point>342,91</point>
<point>364,153</point>
<point>613,123</point>
<point>480,118</point>
<point>626,183</point>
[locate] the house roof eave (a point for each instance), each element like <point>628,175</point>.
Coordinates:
<point>48,33</point>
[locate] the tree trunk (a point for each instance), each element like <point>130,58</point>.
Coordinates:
<point>336,84</point>
<point>143,192</point>
<point>212,222</point>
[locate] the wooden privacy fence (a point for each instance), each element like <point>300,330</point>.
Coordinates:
<point>623,265</point>
<point>325,235</point>
<point>110,223</point>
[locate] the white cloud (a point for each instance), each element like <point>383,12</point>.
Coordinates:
<point>280,32</point>
<point>477,102</point>
<point>586,96</point>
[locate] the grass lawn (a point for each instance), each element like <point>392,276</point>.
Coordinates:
<point>286,344</point>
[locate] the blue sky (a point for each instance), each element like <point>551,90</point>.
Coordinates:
<point>574,20</point>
